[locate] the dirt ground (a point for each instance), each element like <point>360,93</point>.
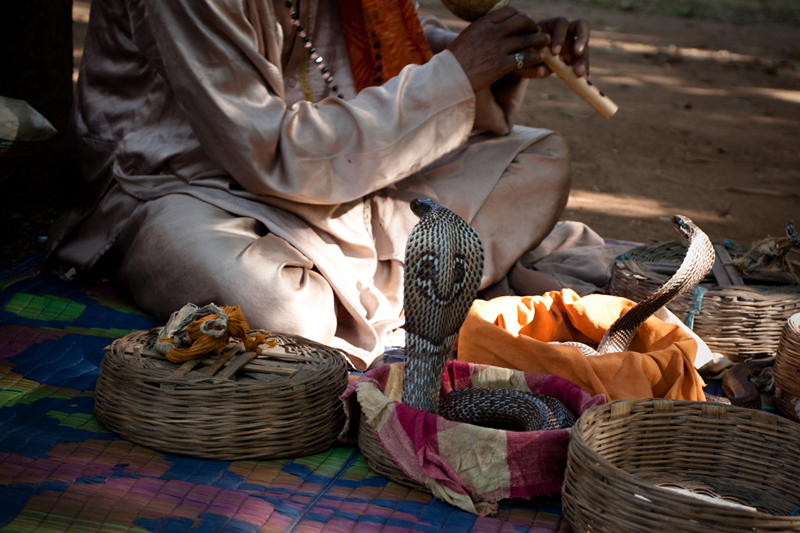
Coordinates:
<point>708,125</point>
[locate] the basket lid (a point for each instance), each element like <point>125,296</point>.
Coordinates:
<point>282,357</point>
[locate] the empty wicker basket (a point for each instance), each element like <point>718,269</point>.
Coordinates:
<point>787,369</point>
<point>230,406</point>
<point>665,465</point>
<point>737,321</point>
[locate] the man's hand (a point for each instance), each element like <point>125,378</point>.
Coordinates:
<point>492,46</point>
<point>570,40</point>
<point>486,49</point>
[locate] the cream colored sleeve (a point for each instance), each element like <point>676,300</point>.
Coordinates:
<point>329,152</point>
<point>496,106</point>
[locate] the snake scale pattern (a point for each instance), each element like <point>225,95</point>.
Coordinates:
<point>699,260</point>
<point>444,265</point>
<point>443,269</point>
<point>511,410</point>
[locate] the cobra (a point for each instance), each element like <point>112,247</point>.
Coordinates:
<point>699,260</point>
<point>443,269</point>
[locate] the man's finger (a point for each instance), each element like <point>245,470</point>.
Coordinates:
<point>541,71</point>
<point>519,23</point>
<point>558,33</point>
<point>526,41</point>
<point>581,64</point>
<point>501,14</point>
<point>580,31</point>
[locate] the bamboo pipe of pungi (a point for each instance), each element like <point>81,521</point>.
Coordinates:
<point>471,10</point>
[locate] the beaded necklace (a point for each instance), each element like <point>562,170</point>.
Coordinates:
<point>319,62</point>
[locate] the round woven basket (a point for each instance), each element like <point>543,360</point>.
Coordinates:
<point>378,459</point>
<point>229,406</point>
<point>787,369</point>
<point>737,321</point>
<point>738,469</point>
<point>395,438</point>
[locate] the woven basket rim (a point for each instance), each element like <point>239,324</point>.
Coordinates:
<point>173,407</point>
<point>786,374</point>
<point>164,375</point>
<point>377,453</point>
<point>638,256</point>
<point>577,439</point>
<point>737,321</point>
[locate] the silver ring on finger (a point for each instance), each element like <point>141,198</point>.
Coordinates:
<point>519,58</point>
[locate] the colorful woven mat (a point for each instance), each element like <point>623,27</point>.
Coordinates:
<point>60,470</point>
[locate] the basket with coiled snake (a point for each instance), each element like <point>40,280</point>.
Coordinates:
<point>444,264</point>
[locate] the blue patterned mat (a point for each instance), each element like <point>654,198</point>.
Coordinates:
<point>61,470</point>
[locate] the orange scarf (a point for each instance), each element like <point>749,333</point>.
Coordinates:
<point>382,37</point>
<point>515,331</point>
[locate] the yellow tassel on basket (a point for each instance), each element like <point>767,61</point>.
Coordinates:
<point>203,344</point>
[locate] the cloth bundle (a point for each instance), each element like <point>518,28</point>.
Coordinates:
<point>515,332</point>
<point>468,466</point>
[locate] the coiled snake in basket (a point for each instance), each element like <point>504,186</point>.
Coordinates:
<point>443,269</point>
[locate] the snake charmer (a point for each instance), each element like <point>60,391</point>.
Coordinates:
<point>263,153</point>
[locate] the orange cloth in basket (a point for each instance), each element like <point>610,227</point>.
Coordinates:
<point>514,332</point>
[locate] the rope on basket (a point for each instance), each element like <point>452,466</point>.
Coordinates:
<point>194,331</point>
<point>695,306</point>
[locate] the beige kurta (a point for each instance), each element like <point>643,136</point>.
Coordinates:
<point>190,97</point>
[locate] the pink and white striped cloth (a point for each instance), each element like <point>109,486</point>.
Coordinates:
<point>468,466</point>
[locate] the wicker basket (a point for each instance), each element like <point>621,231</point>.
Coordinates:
<point>627,457</point>
<point>463,467</point>
<point>787,369</point>
<point>378,459</point>
<point>739,322</point>
<point>237,405</point>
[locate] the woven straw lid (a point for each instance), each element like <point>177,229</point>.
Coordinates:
<point>738,321</point>
<point>229,406</point>
<point>667,465</point>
